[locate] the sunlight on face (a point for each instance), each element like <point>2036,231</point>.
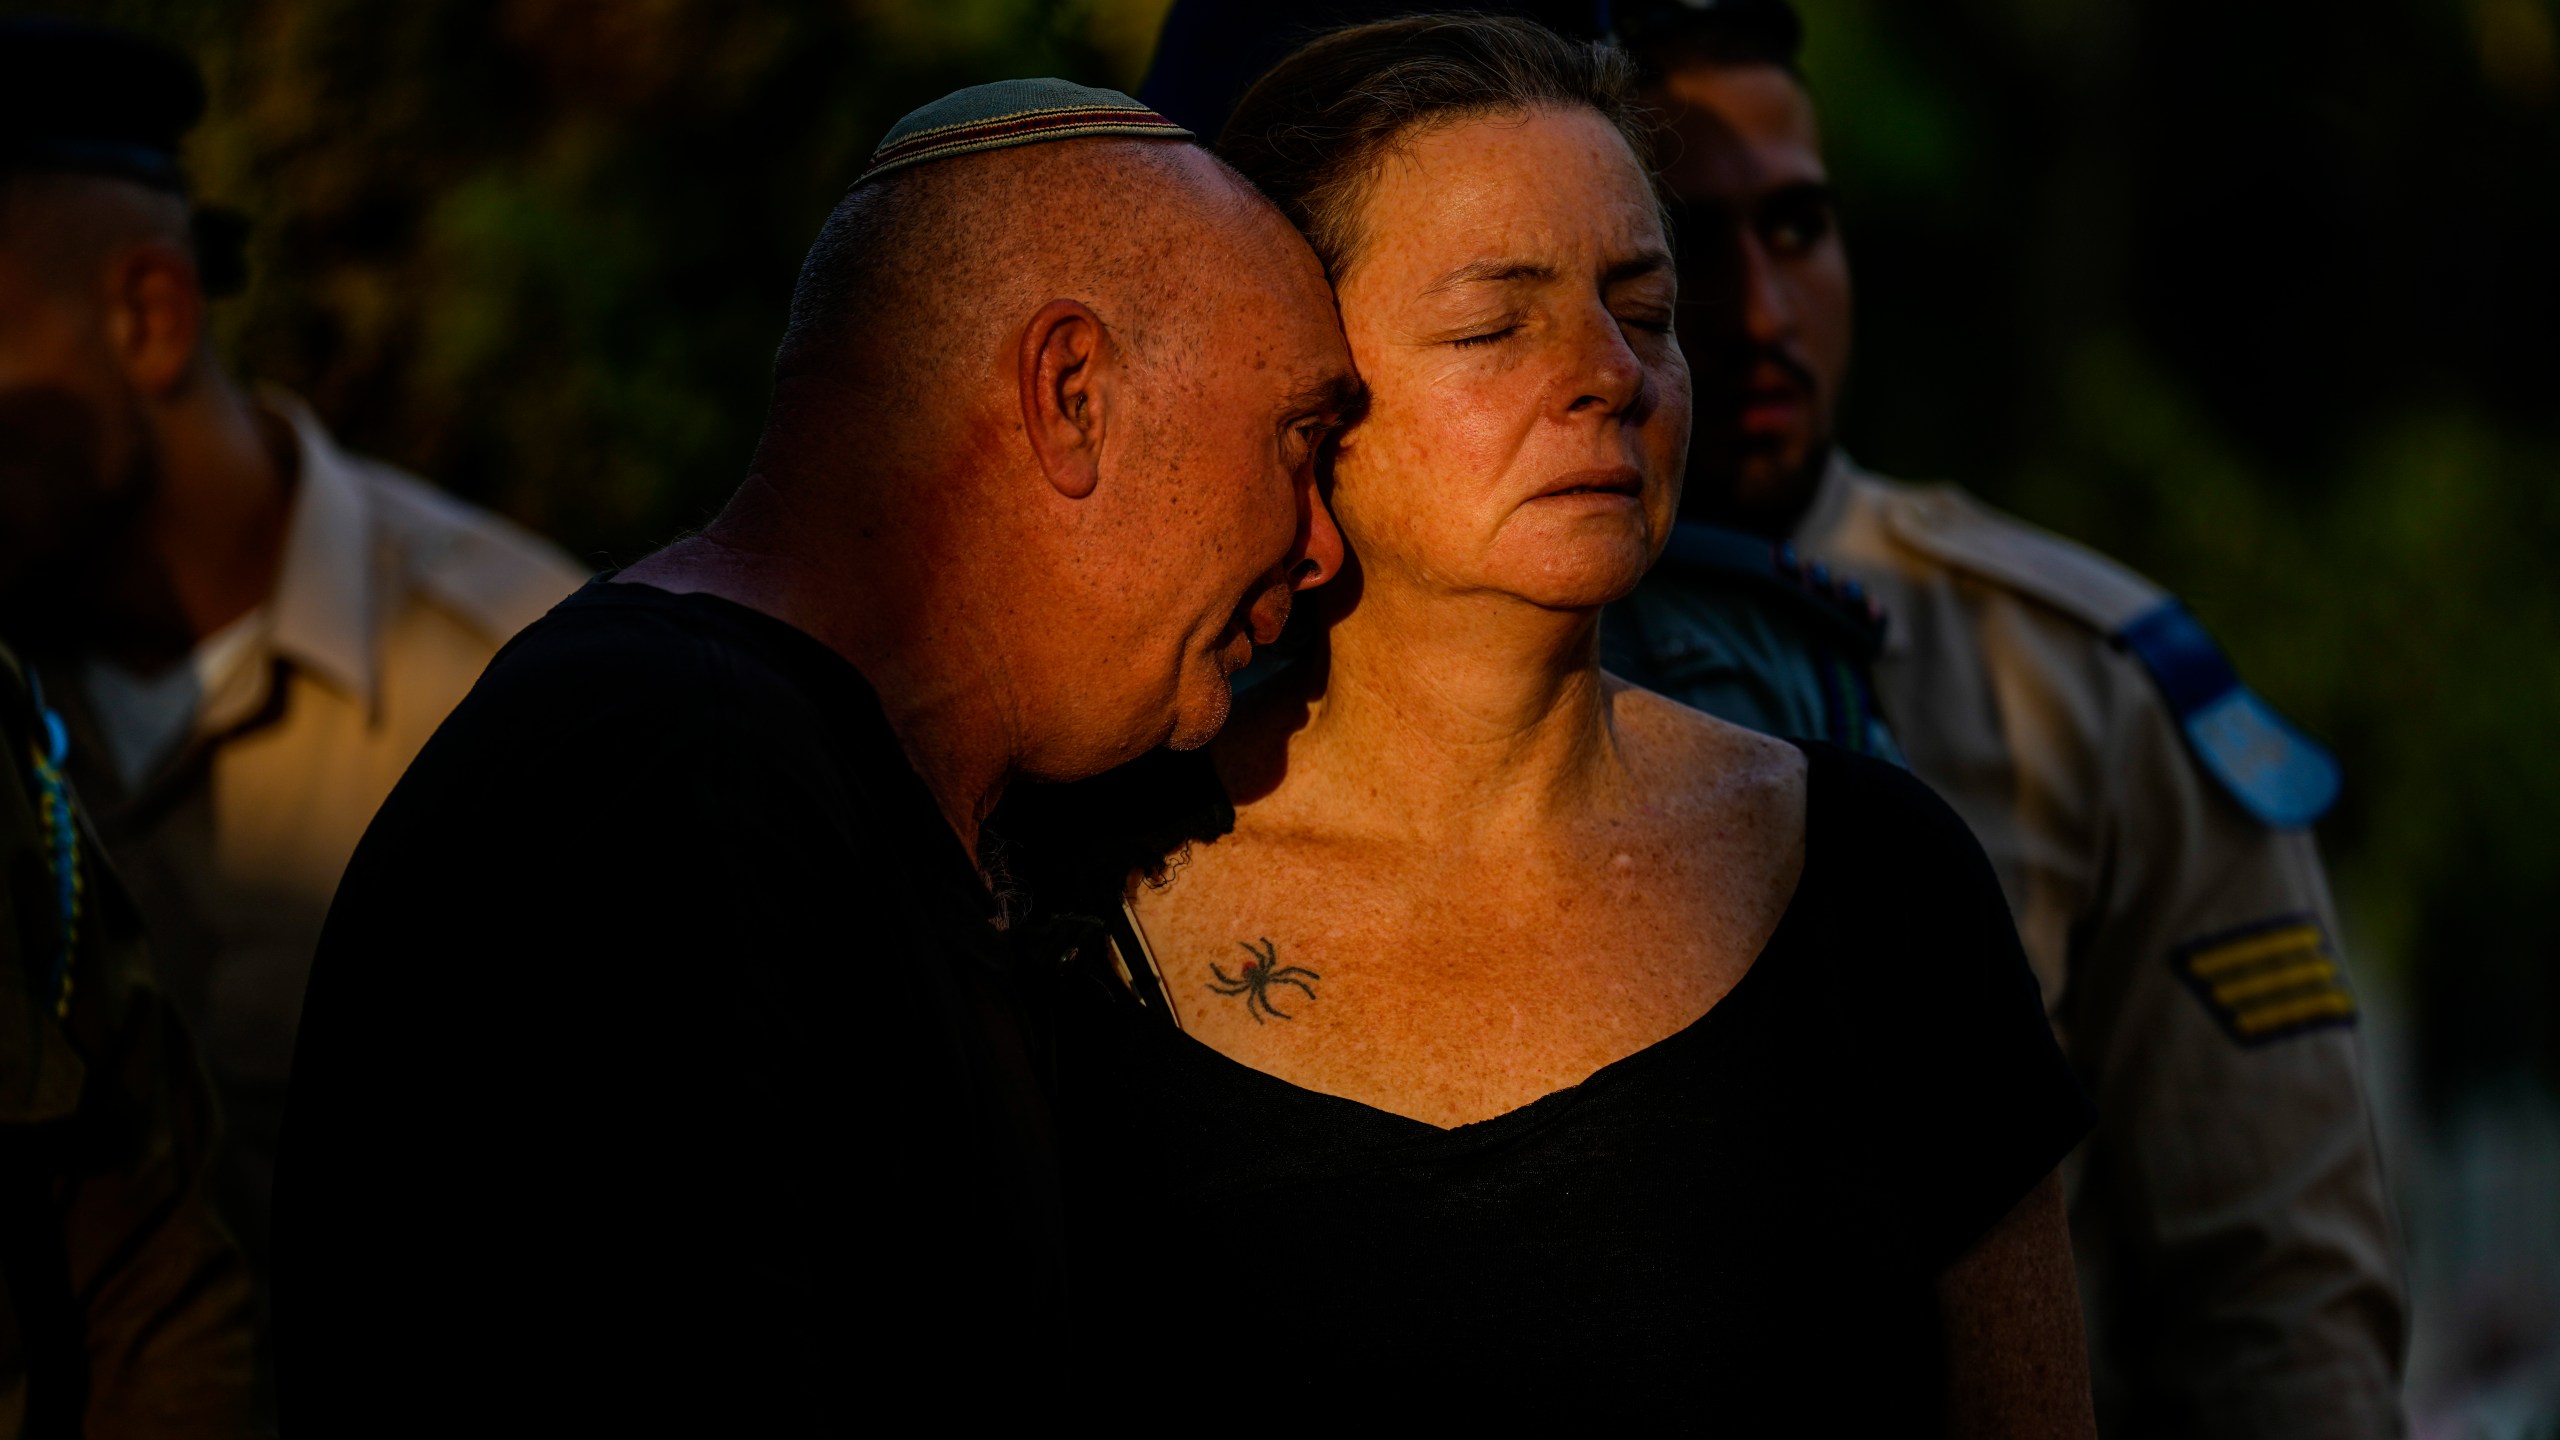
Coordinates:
<point>1510,306</point>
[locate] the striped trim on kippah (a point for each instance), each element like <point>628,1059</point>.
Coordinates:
<point>1091,113</point>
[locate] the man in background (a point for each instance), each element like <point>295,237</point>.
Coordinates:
<point>2149,816</point>
<point>247,631</point>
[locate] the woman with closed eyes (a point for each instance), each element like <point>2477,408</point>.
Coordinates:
<point>1507,1038</point>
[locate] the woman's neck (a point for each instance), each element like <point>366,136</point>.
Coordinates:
<point>1487,711</point>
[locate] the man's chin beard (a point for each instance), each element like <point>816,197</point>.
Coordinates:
<point>1770,503</point>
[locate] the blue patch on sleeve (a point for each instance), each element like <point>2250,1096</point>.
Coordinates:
<point>2276,772</point>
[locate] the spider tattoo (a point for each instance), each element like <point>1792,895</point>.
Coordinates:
<point>1260,973</point>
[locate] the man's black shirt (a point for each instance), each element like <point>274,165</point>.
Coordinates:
<point>661,1064</point>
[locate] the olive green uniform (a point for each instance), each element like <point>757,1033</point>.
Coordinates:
<point>124,1304</point>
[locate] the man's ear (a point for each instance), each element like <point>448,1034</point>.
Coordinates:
<point>155,315</point>
<point>1066,367</point>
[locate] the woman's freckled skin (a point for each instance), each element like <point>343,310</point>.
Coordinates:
<point>1464,785</point>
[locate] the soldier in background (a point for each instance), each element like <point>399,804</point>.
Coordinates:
<point>247,631</point>
<point>124,1305</point>
<point>2148,815</point>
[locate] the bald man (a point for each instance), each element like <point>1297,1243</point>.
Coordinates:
<point>669,1066</point>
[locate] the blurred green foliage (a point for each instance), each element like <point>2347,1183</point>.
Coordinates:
<point>2262,299</point>
<point>2259,298</point>
<point>541,250</point>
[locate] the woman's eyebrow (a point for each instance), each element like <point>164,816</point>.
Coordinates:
<point>1637,266</point>
<point>1492,272</point>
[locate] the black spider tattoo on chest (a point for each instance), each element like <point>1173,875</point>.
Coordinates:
<point>1259,975</point>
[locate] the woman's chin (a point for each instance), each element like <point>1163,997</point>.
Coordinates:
<point>1575,571</point>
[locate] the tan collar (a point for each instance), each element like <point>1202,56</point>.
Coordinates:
<point>1821,534</point>
<point>1830,505</point>
<point>324,598</point>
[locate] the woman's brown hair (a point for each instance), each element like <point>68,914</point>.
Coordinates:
<point>1314,129</point>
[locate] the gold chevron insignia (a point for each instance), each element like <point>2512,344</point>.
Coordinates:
<point>2269,980</point>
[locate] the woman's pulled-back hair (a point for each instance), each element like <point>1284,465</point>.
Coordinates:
<point>1314,129</point>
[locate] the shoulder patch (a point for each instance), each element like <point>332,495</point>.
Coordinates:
<point>2268,980</point>
<point>2276,772</point>
<point>1955,529</point>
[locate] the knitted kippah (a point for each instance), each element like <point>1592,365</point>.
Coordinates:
<point>1013,112</point>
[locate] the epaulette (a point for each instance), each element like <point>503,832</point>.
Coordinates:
<point>1840,605</point>
<point>1948,525</point>
<point>496,577</point>
<point>2276,773</point>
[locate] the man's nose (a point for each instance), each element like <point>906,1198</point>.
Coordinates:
<point>1730,289</point>
<point>1317,555</point>
<point>1767,316</point>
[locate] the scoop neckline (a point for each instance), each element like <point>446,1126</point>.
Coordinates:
<point>1537,1111</point>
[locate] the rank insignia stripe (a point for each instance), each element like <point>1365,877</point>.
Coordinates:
<point>2268,981</point>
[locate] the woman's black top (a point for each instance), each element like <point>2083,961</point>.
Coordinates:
<point>1742,1223</point>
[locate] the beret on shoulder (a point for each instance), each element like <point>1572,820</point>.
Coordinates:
<point>88,98</point>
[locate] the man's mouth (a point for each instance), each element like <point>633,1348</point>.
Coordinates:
<point>1258,621</point>
<point>1775,401</point>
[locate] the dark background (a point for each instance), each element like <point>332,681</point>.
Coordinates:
<point>2259,297</point>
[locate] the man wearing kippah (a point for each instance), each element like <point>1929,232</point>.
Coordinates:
<point>2149,815</point>
<point>247,631</point>
<point>672,1063</point>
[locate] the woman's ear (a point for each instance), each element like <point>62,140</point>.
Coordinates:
<point>1066,366</point>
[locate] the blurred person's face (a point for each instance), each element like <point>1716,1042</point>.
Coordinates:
<point>1510,304</point>
<point>1226,435</point>
<point>1764,289</point>
<point>76,459</point>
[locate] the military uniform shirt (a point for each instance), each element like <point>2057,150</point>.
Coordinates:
<point>2238,1262</point>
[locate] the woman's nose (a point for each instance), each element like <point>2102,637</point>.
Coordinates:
<point>1609,377</point>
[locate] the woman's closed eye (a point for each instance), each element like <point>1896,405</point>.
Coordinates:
<point>1487,337</point>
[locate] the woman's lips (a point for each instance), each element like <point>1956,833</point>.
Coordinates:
<point>1603,485</point>
<point>1622,481</point>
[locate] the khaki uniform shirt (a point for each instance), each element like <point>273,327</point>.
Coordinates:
<point>391,599</point>
<point>2238,1263</point>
